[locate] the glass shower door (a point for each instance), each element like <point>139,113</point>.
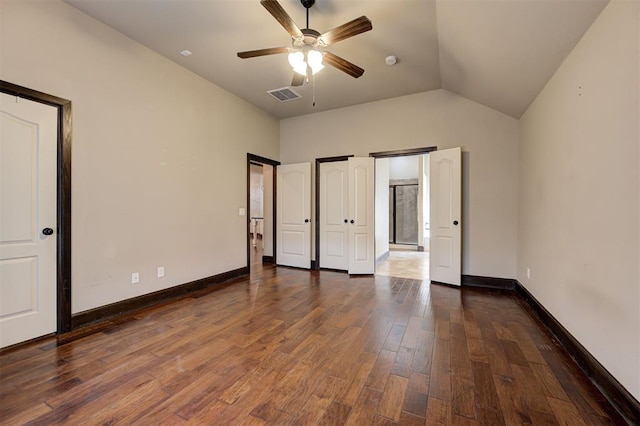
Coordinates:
<point>403,214</point>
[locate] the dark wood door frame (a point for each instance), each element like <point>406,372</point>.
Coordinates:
<point>403,152</point>
<point>63,197</point>
<point>319,161</point>
<point>252,158</point>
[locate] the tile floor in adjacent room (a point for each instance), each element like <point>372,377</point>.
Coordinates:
<point>405,264</point>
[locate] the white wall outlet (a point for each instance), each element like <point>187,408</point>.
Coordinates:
<point>160,271</point>
<point>241,211</point>
<point>135,278</point>
<point>528,273</point>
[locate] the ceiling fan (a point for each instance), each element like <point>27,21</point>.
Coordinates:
<point>307,53</point>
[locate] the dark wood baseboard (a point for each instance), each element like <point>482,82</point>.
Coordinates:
<point>488,282</point>
<point>383,257</point>
<point>618,396</point>
<point>268,259</point>
<point>101,313</point>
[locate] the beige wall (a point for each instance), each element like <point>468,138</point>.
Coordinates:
<point>579,184</point>
<point>404,167</point>
<point>437,118</point>
<point>382,206</point>
<point>159,154</point>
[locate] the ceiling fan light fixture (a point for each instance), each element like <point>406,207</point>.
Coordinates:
<point>299,64</point>
<point>301,69</point>
<point>315,69</point>
<point>296,58</point>
<point>314,58</point>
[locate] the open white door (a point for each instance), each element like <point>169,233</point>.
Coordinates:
<point>28,152</point>
<point>334,211</point>
<point>361,216</point>
<point>445,180</point>
<point>294,215</point>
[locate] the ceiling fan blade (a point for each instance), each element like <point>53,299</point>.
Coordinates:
<point>282,17</point>
<point>342,64</point>
<point>297,79</point>
<point>352,28</point>
<point>262,52</point>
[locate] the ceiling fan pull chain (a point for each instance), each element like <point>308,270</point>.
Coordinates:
<point>313,83</point>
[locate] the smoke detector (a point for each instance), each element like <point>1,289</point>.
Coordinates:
<point>391,60</point>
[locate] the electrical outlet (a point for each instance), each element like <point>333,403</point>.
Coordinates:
<point>528,273</point>
<point>160,271</point>
<point>135,278</point>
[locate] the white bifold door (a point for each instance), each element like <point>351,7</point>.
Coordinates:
<point>293,236</point>
<point>28,150</point>
<point>347,215</point>
<point>445,179</point>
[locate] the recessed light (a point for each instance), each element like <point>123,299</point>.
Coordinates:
<point>186,53</point>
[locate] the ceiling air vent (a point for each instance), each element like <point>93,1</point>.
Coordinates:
<point>284,94</point>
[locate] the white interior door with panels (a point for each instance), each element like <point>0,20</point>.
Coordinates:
<point>334,212</point>
<point>347,225</point>
<point>28,170</point>
<point>445,181</point>
<point>361,216</point>
<point>294,215</point>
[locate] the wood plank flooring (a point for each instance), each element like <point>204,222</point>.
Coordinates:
<point>292,347</point>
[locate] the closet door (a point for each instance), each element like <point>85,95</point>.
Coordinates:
<point>334,211</point>
<point>361,216</point>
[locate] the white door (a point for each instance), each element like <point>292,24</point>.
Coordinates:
<point>361,216</point>
<point>445,179</point>
<point>28,139</point>
<point>294,215</point>
<point>334,212</point>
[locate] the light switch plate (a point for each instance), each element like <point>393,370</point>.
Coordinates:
<point>241,211</point>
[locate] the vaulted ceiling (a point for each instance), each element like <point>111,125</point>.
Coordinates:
<point>499,53</point>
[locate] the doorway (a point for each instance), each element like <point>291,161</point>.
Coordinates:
<point>402,213</point>
<point>261,212</point>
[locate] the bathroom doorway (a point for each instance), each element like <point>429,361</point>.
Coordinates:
<point>402,213</point>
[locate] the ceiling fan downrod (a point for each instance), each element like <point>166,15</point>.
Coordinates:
<point>307,4</point>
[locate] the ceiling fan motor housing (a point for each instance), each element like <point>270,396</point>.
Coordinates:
<point>310,38</point>
<point>307,3</point>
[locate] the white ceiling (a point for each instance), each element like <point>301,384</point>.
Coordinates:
<point>499,53</point>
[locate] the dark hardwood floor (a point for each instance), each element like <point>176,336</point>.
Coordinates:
<point>287,346</point>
